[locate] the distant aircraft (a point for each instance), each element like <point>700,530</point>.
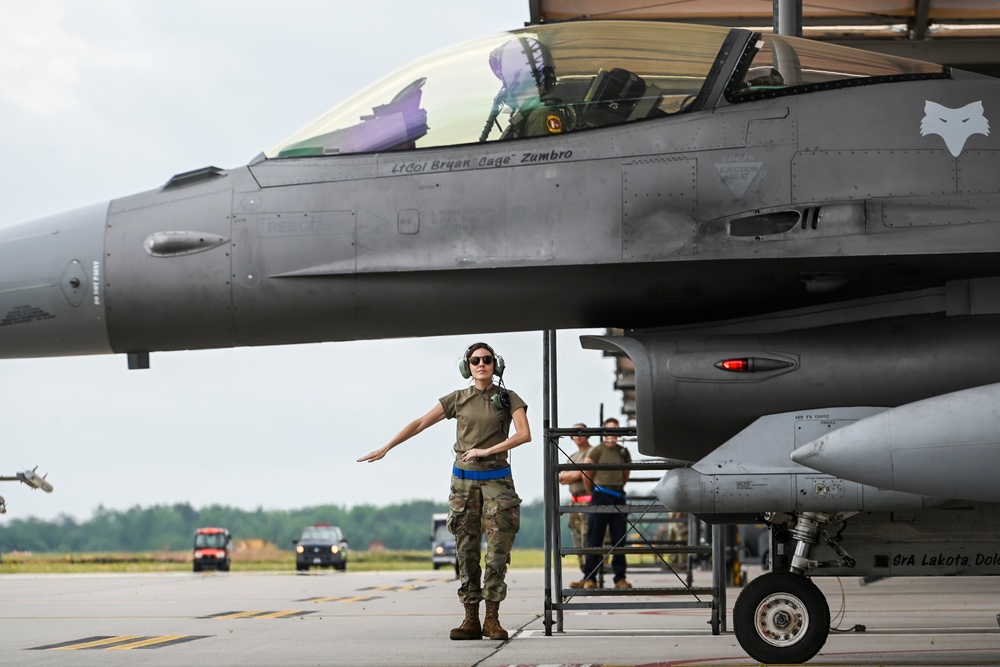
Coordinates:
<point>801,241</point>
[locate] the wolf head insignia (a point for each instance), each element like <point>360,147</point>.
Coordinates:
<point>954,125</point>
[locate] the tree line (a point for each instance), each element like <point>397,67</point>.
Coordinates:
<point>171,527</point>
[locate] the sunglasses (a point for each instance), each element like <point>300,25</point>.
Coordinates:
<point>486,359</point>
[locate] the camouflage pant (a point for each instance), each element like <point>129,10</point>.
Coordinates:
<point>678,533</point>
<point>475,505</point>
<point>578,529</point>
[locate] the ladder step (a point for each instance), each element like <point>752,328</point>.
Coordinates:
<point>584,551</point>
<point>635,465</point>
<point>613,509</point>
<point>622,592</point>
<point>658,566</point>
<point>672,604</point>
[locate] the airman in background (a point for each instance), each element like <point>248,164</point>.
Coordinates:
<point>607,487</point>
<point>578,496</point>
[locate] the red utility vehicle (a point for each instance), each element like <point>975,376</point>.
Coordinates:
<point>212,549</point>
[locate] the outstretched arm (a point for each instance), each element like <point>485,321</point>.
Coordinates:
<point>435,415</point>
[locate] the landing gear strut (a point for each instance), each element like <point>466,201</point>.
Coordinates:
<point>783,616</point>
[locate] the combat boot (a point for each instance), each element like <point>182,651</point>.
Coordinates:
<point>491,626</point>
<point>470,628</point>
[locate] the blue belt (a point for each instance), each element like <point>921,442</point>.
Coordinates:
<point>480,474</point>
<point>609,492</point>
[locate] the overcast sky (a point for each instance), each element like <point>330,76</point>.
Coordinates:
<point>105,98</point>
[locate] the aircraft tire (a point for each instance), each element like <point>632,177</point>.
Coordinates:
<point>781,617</point>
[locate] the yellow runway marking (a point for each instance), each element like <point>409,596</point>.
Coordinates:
<point>356,598</point>
<point>144,643</point>
<point>229,615</point>
<point>283,614</point>
<point>236,614</point>
<point>119,643</point>
<point>96,643</point>
<point>279,614</point>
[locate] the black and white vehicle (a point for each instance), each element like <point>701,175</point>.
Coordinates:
<point>321,545</point>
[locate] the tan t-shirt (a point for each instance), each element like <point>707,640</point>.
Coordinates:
<point>603,454</point>
<point>480,424</point>
<point>578,488</point>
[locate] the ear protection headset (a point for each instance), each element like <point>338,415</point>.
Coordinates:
<point>463,364</point>
<point>501,399</point>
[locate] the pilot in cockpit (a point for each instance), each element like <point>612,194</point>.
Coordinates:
<point>525,68</point>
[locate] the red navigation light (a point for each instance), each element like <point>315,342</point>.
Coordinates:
<point>753,365</point>
<point>735,365</point>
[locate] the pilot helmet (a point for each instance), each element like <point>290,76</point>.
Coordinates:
<point>522,62</point>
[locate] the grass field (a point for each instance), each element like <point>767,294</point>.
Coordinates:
<point>359,561</point>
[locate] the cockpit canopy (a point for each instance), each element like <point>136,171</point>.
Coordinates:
<point>596,73</point>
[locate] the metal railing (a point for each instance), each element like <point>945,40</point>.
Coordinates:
<point>640,516</point>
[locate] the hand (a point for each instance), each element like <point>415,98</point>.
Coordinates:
<point>473,454</point>
<point>374,456</point>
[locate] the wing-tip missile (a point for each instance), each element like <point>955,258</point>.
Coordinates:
<point>944,446</point>
<point>828,453</point>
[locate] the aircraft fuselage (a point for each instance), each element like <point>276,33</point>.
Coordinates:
<point>795,201</point>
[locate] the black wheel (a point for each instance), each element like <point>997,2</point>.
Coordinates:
<point>197,567</point>
<point>437,566</point>
<point>300,567</point>
<point>781,618</point>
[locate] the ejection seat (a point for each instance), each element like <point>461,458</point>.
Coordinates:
<point>616,96</point>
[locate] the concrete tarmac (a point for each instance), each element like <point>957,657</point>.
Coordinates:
<point>403,619</point>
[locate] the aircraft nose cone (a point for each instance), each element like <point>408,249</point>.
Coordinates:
<point>944,446</point>
<point>51,285</point>
<point>825,453</point>
<point>812,450</point>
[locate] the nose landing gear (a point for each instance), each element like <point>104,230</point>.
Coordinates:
<point>781,617</point>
